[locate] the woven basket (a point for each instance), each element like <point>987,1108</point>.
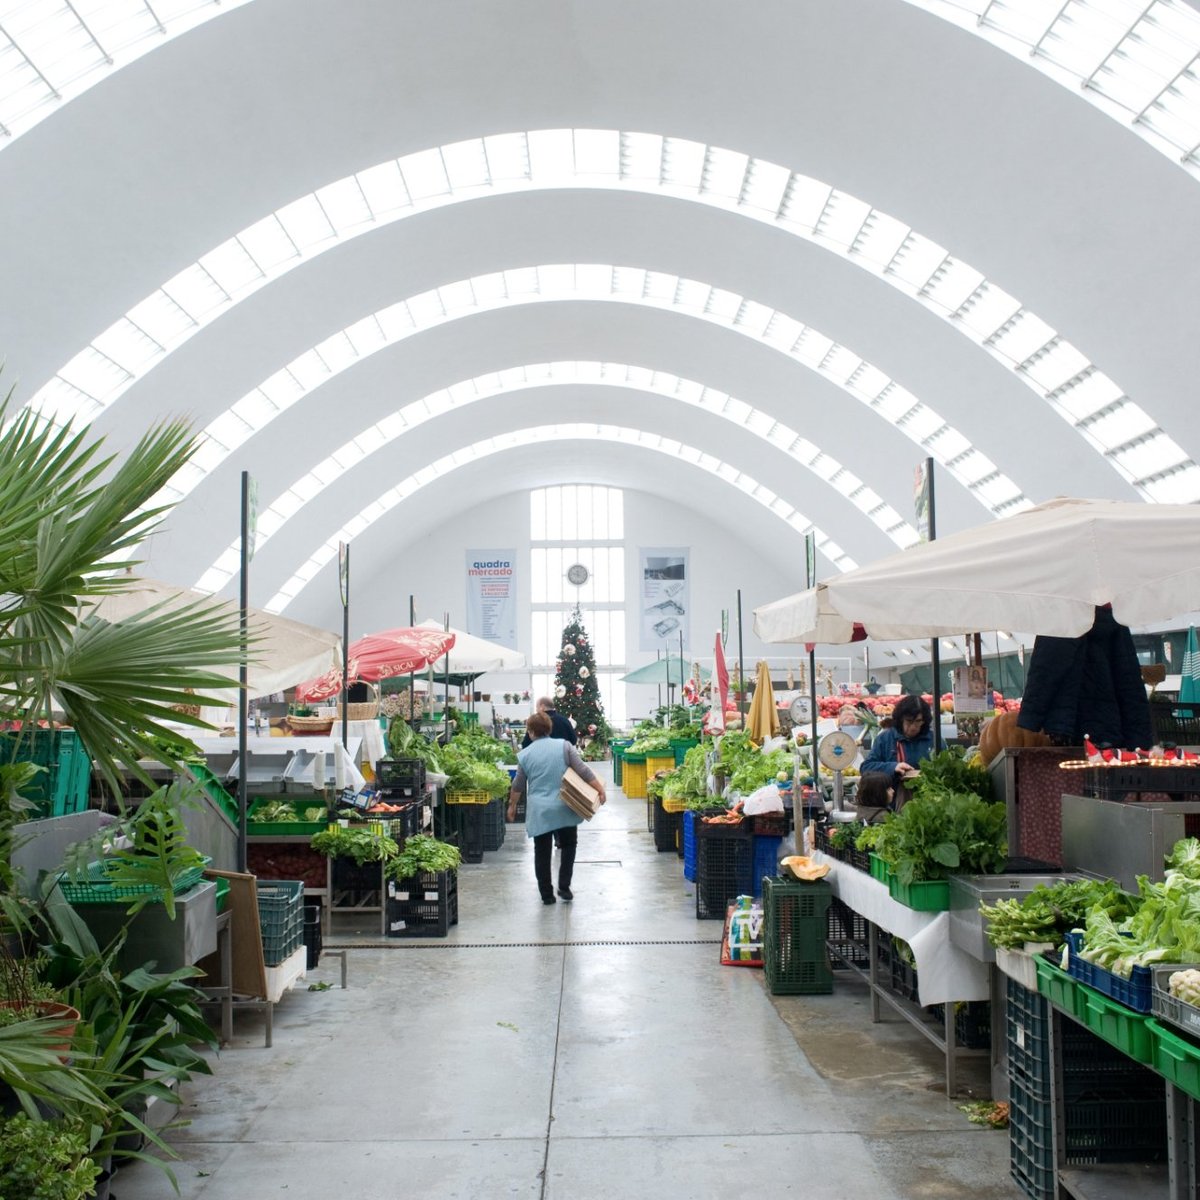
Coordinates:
<point>360,710</point>
<point>310,725</point>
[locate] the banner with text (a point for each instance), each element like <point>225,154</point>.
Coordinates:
<point>663,580</point>
<point>492,595</point>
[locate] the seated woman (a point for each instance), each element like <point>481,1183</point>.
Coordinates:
<point>897,752</point>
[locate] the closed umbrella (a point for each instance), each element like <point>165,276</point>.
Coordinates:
<point>714,722</point>
<point>379,656</point>
<point>1189,682</point>
<point>762,721</point>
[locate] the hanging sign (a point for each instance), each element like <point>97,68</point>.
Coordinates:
<point>492,595</point>
<point>344,572</point>
<point>922,477</point>
<point>665,598</point>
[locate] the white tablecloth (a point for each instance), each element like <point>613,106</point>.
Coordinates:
<point>373,746</point>
<point>944,971</point>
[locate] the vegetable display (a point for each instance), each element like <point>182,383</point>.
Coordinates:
<point>467,774</point>
<point>1185,985</point>
<point>1051,910</point>
<point>361,844</point>
<point>939,833</point>
<point>948,771</point>
<point>423,853</point>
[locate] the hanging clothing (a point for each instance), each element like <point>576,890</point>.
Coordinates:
<point>1088,686</point>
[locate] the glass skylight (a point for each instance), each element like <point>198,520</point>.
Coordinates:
<point>551,374</point>
<point>1138,61</point>
<point>1060,374</point>
<point>406,488</point>
<point>52,50</point>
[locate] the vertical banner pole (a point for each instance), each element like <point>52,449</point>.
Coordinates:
<point>412,679</point>
<point>247,520</point>
<point>935,657</point>
<point>741,666</point>
<point>344,588</point>
<point>810,572</point>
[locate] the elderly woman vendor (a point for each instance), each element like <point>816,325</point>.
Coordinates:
<point>540,769</point>
<point>897,752</point>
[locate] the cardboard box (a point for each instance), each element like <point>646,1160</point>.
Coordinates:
<point>580,797</point>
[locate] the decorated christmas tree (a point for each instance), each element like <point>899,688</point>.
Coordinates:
<point>576,692</point>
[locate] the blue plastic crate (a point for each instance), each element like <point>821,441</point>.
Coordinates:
<point>766,859</point>
<point>1136,992</point>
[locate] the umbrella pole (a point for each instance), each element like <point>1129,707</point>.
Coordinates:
<point>446,703</point>
<point>741,668</point>
<point>412,679</point>
<point>812,691</point>
<point>345,657</point>
<point>935,658</point>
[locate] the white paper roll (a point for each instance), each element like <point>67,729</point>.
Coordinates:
<point>319,771</point>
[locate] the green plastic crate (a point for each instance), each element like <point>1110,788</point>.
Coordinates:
<point>214,790</point>
<point>1058,987</point>
<point>98,888</point>
<point>795,931</point>
<point>1174,1058</point>
<point>881,869</point>
<point>1117,1025</point>
<point>280,918</point>
<point>932,895</point>
<point>284,828</point>
<point>62,787</point>
<point>680,747</point>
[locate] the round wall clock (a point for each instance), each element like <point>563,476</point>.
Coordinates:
<point>577,574</point>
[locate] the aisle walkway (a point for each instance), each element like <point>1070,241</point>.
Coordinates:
<point>594,1049</point>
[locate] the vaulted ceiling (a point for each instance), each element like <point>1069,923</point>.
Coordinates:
<point>769,256</point>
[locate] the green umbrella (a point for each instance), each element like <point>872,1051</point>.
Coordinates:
<point>1189,682</point>
<point>665,671</point>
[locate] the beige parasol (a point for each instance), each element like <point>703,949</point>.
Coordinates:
<point>762,721</point>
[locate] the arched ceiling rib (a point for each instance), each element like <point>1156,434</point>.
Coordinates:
<point>352,455</point>
<point>1138,63</point>
<point>389,499</point>
<point>633,285</point>
<point>1127,437</point>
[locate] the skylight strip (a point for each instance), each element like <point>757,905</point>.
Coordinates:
<point>229,435</point>
<point>80,51</point>
<point>384,503</point>
<point>1128,59</point>
<point>841,366</point>
<point>983,316</point>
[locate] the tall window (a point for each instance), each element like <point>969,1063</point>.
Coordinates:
<point>579,525</point>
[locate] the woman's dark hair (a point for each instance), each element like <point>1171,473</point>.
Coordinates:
<point>908,707</point>
<point>538,725</point>
<point>873,791</point>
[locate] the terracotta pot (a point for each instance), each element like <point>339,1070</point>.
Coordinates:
<point>53,1008</point>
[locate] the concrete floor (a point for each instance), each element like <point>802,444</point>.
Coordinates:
<point>594,1049</point>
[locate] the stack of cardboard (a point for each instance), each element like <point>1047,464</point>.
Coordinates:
<point>580,797</point>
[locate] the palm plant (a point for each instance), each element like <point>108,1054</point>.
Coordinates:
<point>71,520</point>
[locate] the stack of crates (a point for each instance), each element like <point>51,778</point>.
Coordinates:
<point>690,821</point>
<point>425,905</point>
<point>400,779</point>
<point>766,859</point>
<point>280,918</point>
<point>493,824</point>
<point>848,938</point>
<point>1114,1110</point>
<point>62,787</point>
<point>667,826</point>
<point>795,929</point>
<point>724,867</point>
<point>462,820</point>
<point>634,777</point>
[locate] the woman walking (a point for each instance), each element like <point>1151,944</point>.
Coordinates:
<point>540,769</point>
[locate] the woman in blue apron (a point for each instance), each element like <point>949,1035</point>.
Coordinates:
<point>540,769</point>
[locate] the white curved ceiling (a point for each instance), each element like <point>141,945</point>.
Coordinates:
<point>295,170</point>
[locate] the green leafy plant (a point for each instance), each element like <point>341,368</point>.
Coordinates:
<point>844,835</point>
<point>422,853</point>
<point>950,771</point>
<point>45,1160</point>
<point>868,837</point>
<point>361,844</point>
<point>278,812</point>
<point>940,833</point>
<point>468,774</point>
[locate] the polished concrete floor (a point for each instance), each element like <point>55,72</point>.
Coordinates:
<point>594,1049</point>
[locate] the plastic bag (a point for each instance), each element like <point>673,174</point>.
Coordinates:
<point>765,800</point>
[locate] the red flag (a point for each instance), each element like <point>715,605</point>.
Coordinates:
<point>715,721</point>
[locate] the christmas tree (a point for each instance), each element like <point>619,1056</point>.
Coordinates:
<point>576,692</point>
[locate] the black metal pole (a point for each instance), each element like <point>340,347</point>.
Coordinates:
<point>412,679</point>
<point>346,652</point>
<point>741,665</point>
<point>446,701</point>
<point>935,658</point>
<point>243,670</point>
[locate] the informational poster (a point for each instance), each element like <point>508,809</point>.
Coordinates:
<point>971,690</point>
<point>922,482</point>
<point>492,595</point>
<point>665,599</point>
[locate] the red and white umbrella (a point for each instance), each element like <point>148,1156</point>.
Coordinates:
<point>381,656</point>
<point>714,722</point>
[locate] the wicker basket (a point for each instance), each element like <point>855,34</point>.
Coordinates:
<point>310,725</point>
<point>361,710</point>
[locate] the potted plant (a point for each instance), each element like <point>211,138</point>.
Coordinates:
<point>46,1160</point>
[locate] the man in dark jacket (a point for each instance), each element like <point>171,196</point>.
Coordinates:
<point>560,727</point>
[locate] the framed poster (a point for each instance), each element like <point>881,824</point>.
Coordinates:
<point>492,595</point>
<point>665,598</point>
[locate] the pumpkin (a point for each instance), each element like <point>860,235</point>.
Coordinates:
<point>802,867</point>
<point>1003,731</point>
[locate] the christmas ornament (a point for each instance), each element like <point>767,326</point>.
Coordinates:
<point>579,689</point>
<point>560,691</point>
<point>584,672</point>
<point>568,649</point>
<point>591,729</point>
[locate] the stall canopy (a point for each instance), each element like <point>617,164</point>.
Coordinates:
<point>282,653</point>
<point>807,617</point>
<point>473,656</point>
<point>1043,571</point>
<point>379,656</point>
<point>669,671</point>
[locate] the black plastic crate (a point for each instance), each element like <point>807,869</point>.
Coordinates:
<point>1175,723</point>
<point>668,827</point>
<point>520,817</point>
<point>426,905</point>
<point>724,867</point>
<point>1116,783</point>
<point>848,936</point>
<point>771,824</point>
<point>493,824</point>
<point>1027,1021</point>
<point>350,876</point>
<point>860,860</point>
<point>463,825</point>
<point>972,1023</point>
<point>795,924</point>
<point>312,934</point>
<point>650,821</point>
<point>904,975</point>
<point>400,777</point>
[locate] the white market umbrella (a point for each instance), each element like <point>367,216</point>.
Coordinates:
<point>283,654</point>
<point>472,655</point>
<point>808,616</point>
<point>1043,571</point>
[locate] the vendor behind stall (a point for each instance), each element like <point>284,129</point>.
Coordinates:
<point>897,752</point>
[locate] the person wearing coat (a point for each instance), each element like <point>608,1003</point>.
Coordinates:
<point>896,752</point>
<point>540,769</point>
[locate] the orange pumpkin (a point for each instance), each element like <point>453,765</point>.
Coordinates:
<point>1002,731</point>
